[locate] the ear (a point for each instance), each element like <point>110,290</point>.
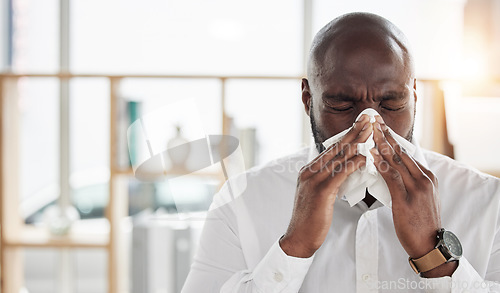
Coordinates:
<point>306,95</point>
<point>415,89</point>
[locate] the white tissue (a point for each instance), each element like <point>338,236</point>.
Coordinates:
<point>367,177</point>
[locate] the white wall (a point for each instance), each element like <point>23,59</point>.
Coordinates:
<point>433,27</point>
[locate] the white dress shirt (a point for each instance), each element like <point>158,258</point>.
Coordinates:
<point>239,249</point>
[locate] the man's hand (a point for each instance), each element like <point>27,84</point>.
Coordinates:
<point>415,200</point>
<point>317,187</point>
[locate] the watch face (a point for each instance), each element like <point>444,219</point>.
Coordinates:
<point>452,243</point>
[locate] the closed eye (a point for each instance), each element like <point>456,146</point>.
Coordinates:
<point>394,102</point>
<point>340,109</point>
<point>338,106</point>
<point>393,108</point>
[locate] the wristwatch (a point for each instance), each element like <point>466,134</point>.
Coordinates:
<point>448,249</point>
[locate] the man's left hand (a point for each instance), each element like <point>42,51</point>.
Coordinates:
<point>415,199</point>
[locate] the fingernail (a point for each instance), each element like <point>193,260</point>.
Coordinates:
<point>363,117</point>
<point>375,152</point>
<point>378,126</point>
<point>384,127</point>
<point>365,126</point>
<point>379,119</point>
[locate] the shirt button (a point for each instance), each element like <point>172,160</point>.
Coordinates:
<point>365,277</point>
<point>368,215</point>
<point>278,277</point>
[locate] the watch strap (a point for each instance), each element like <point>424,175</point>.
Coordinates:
<point>427,262</point>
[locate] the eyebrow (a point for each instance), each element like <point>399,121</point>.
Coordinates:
<point>393,96</point>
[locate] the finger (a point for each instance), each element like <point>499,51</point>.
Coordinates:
<point>317,163</point>
<point>348,152</point>
<point>434,180</point>
<point>392,177</point>
<point>428,172</point>
<point>407,160</point>
<point>342,171</point>
<point>359,127</point>
<point>389,155</point>
<point>414,167</point>
<point>322,159</point>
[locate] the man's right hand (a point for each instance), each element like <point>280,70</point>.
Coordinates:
<point>317,188</point>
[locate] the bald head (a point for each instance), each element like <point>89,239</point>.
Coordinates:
<point>364,32</point>
<point>359,61</point>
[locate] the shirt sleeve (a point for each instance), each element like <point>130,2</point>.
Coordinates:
<point>276,272</point>
<point>219,264</point>
<point>464,279</point>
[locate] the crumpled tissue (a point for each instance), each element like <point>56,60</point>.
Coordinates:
<point>367,177</point>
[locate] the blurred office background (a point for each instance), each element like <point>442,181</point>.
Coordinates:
<point>76,73</point>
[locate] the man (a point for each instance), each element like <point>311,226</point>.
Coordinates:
<point>289,230</point>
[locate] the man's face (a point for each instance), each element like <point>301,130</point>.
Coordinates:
<point>353,78</point>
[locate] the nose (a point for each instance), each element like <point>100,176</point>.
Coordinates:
<point>365,106</point>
